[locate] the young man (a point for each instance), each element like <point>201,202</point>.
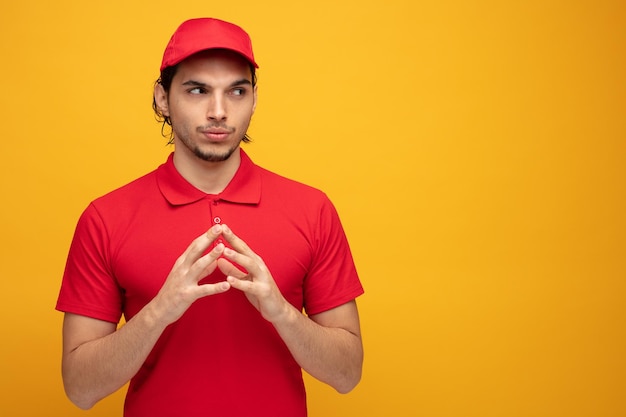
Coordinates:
<point>211,260</point>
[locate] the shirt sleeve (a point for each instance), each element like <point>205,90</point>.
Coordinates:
<point>332,279</point>
<point>89,287</point>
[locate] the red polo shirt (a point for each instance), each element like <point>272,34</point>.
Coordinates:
<point>221,357</point>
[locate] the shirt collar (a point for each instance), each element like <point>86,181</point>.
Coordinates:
<point>244,188</point>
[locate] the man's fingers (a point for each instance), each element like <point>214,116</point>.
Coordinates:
<point>238,244</point>
<point>241,254</point>
<point>229,269</point>
<point>241,284</point>
<point>207,263</point>
<point>212,289</point>
<point>199,245</point>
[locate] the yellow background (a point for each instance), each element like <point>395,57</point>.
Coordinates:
<point>474,149</point>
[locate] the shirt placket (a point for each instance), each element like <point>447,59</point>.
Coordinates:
<point>216,218</point>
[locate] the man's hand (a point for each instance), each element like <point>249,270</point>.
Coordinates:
<point>326,345</point>
<point>258,284</point>
<point>181,287</point>
<point>98,358</point>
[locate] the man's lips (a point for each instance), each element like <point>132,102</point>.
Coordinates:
<point>216,133</point>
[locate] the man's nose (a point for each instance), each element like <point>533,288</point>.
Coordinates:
<point>217,109</point>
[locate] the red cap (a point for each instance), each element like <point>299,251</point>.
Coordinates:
<point>197,35</point>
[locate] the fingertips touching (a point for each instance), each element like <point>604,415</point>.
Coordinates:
<point>216,230</point>
<point>212,289</point>
<point>233,282</point>
<point>208,262</point>
<point>242,284</point>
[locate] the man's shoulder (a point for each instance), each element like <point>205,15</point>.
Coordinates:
<point>136,190</point>
<point>292,197</point>
<point>280,183</point>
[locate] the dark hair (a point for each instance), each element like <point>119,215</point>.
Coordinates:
<point>167,75</point>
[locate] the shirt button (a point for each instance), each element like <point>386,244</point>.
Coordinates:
<point>217,220</point>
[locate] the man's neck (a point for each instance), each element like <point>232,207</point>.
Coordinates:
<point>209,177</point>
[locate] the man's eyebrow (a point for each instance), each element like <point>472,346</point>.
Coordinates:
<point>194,83</point>
<point>237,83</point>
<point>243,81</point>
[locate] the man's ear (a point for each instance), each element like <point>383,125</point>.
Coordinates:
<point>255,98</point>
<point>160,98</point>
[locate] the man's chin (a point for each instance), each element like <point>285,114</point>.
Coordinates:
<point>212,156</point>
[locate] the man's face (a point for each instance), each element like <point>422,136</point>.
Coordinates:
<point>210,104</point>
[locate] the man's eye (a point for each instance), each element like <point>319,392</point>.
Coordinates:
<point>196,90</point>
<point>239,91</point>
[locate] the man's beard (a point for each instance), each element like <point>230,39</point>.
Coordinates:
<point>212,156</point>
<point>206,155</point>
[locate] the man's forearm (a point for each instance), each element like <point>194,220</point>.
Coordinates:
<point>333,355</point>
<point>99,367</point>
<point>98,359</point>
<point>326,345</point>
